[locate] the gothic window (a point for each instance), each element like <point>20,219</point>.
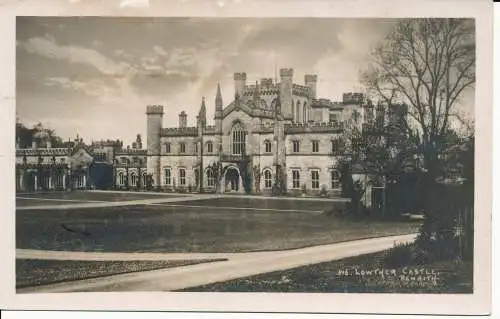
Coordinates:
<point>167,148</point>
<point>334,179</point>
<point>182,176</point>
<point>182,147</point>
<point>296,146</point>
<point>210,178</point>
<point>297,112</point>
<point>210,147</point>
<point>267,179</point>
<point>304,113</point>
<point>295,178</point>
<point>315,146</point>
<point>196,147</point>
<point>238,138</point>
<point>315,179</point>
<point>133,179</point>
<point>144,179</point>
<point>336,146</point>
<point>268,146</point>
<point>168,176</point>
<point>121,178</point>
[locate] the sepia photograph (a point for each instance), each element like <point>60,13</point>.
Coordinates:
<point>217,154</point>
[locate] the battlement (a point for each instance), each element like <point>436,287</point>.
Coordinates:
<point>310,78</point>
<point>131,151</point>
<point>180,131</point>
<point>60,151</point>
<point>240,76</point>
<point>286,72</point>
<point>300,90</point>
<point>154,109</point>
<point>272,89</point>
<point>325,103</point>
<point>265,82</point>
<point>314,127</point>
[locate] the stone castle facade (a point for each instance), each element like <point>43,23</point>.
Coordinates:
<point>272,136</point>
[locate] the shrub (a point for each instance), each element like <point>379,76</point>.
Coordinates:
<point>323,191</point>
<point>399,256</point>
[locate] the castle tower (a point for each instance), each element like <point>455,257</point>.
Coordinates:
<point>286,92</point>
<point>138,141</point>
<point>256,95</point>
<point>182,119</point>
<point>154,125</point>
<point>310,81</point>
<point>240,80</point>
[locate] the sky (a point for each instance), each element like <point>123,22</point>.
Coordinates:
<point>95,76</point>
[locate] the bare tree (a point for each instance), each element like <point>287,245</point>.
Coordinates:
<point>426,64</point>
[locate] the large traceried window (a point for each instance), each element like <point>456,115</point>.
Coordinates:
<point>297,112</point>
<point>238,138</point>
<point>133,179</point>
<point>305,118</point>
<point>267,179</point>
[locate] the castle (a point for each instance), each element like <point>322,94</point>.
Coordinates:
<point>272,135</point>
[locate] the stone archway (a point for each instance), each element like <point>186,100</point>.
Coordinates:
<point>232,180</point>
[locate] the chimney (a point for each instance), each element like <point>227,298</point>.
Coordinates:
<point>182,119</point>
<point>239,83</point>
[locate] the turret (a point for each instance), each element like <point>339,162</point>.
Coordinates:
<point>310,81</point>
<point>202,115</point>
<point>256,95</point>
<point>286,92</point>
<point>239,83</point>
<point>154,126</point>
<point>182,119</point>
<point>218,109</point>
<point>138,141</point>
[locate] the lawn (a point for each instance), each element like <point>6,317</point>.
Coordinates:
<point>32,272</point>
<point>199,226</point>
<point>350,276</point>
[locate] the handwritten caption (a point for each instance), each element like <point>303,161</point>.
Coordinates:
<point>406,276</point>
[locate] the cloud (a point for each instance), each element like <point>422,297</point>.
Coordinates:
<point>47,47</point>
<point>160,51</point>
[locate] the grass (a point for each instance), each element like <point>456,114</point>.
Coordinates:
<point>33,272</point>
<point>156,228</point>
<point>346,276</point>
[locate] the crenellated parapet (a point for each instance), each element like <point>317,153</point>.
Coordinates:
<point>62,151</point>
<point>269,90</point>
<point>131,151</point>
<point>314,127</point>
<point>301,90</point>
<point>154,109</point>
<point>286,72</point>
<point>325,103</point>
<point>179,131</point>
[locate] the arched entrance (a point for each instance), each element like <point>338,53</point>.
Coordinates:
<point>232,180</point>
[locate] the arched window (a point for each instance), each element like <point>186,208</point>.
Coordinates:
<point>268,146</point>
<point>210,178</point>
<point>268,179</point>
<point>144,180</point>
<point>297,112</point>
<point>304,113</point>
<point>210,147</point>
<point>121,178</point>
<point>238,138</point>
<point>133,179</point>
